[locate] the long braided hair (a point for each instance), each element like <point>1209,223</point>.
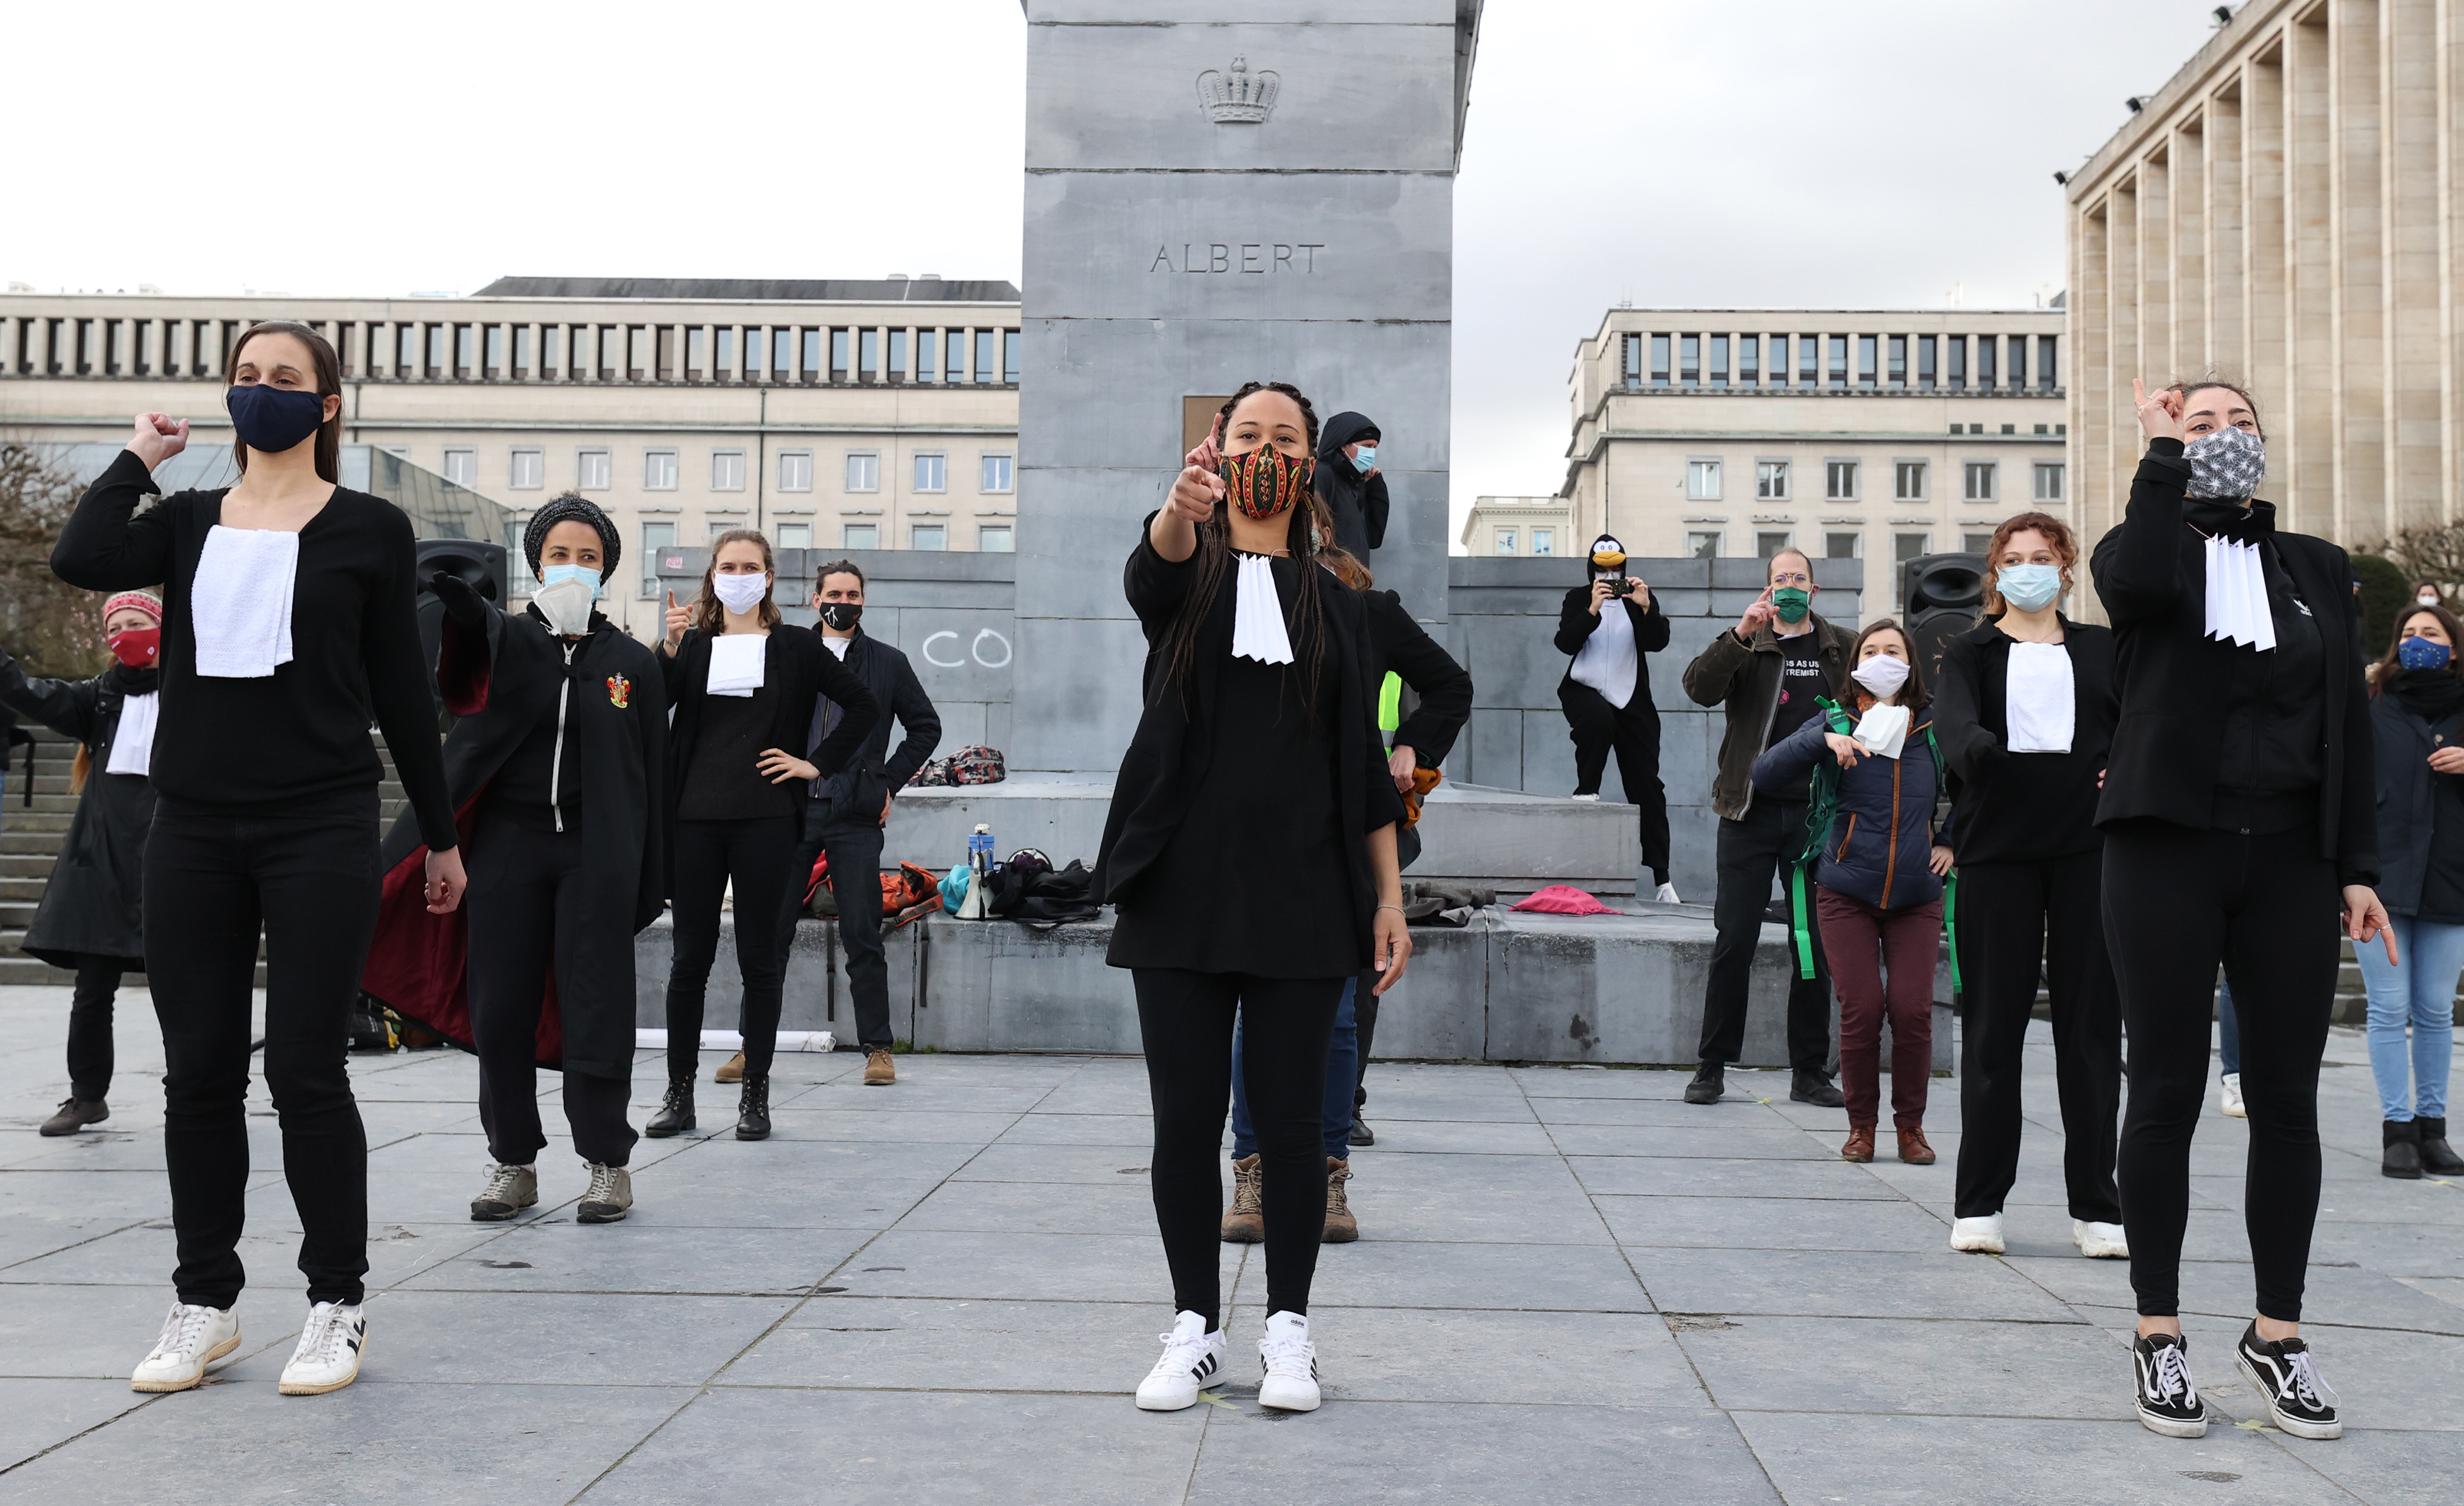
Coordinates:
<point>1214,557</point>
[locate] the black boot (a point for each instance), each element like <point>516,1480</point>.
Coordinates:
<point>2437,1157</point>
<point>753,1110</point>
<point>2402,1157</point>
<point>1813,1087</point>
<point>675,1113</point>
<point>1711,1080</point>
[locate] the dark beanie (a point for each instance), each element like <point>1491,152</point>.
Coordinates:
<point>570,508</point>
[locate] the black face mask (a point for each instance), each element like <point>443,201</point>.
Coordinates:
<point>272,419</point>
<point>843,615</point>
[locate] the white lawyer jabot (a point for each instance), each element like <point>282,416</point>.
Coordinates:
<point>132,746</point>
<point>239,605</point>
<point>1258,630</point>
<point>2237,607</point>
<point>2040,699</point>
<point>1883,730</point>
<point>736,662</point>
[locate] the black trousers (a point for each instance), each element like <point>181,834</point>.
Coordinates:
<point>312,884</point>
<point>1187,1021</point>
<point>2176,902</point>
<point>855,864</point>
<point>754,853</point>
<point>1750,852</point>
<point>524,905</point>
<point>1633,731</point>
<point>90,1045</point>
<point>2014,918</point>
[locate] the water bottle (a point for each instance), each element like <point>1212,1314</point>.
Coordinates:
<point>979,862</point>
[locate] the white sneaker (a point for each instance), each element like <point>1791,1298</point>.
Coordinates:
<point>2100,1241</point>
<point>1667,895</point>
<point>2229,1096</point>
<point>1594,797</point>
<point>194,1337</point>
<point>1290,1383</point>
<point>330,1347</point>
<point>1193,1360</point>
<point>1982,1235</point>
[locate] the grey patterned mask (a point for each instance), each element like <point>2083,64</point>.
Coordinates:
<point>2229,462</point>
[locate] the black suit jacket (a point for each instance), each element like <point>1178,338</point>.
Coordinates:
<point>2029,807</point>
<point>1399,645</point>
<point>874,772</point>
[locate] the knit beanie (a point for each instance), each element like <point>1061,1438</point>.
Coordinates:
<point>146,602</point>
<point>570,508</point>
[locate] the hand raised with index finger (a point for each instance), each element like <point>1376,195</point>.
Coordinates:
<point>1195,492</point>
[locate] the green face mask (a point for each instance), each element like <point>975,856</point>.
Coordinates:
<point>1791,604</point>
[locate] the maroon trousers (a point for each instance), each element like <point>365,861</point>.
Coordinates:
<point>1862,943</point>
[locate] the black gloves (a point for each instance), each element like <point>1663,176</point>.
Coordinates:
<point>462,604</point>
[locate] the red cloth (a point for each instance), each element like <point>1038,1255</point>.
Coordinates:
<point>1565,900</point>
<point>1858,941</point>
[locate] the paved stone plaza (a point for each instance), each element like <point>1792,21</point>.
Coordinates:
<point>1570,1288</point>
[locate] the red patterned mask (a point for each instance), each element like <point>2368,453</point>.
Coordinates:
<point>1266,482</point>
<point>136,647</point>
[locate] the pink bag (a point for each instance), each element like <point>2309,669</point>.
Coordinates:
<point>1565,900</point>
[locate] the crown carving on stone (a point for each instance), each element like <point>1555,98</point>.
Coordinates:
<point>1238,98</point>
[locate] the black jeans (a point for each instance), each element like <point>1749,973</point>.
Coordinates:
<point>524,912</point>
<point>1633,731</point>
<point>1185,1019</point>
<point>90,1046</point>
<point>312,884</point>
<point>1751,851</point>
<point>2176,902</point>
<point>756,854</point>
<point>2014,918</point>
<point>854,847</point>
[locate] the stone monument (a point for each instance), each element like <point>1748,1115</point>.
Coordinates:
<point>1209,201</point>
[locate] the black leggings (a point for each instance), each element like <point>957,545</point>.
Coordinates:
<point>312,884</point>
<point>1185,1019</point>
<point>2014,918</point>
<point>758,855</point>
<point>2176,902</point>
<point>1633,731</point>
<point>90,1048</point>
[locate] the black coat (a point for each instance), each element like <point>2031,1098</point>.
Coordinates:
<point>1358,504</point>
<point>874,771</point>
<point>1167,755</point>
<point>795,661</point>
<point>2151,572</point>
<point>2407,798</point>
<point>2022,808</point>
<point>92,907</point>
<point>1574,625</point>
<point>1400,645</point>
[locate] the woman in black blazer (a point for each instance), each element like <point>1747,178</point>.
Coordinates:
<point>2239,820</point>
<point>2025,711</point>
<point>1607,693</point>
<point>744,686</point>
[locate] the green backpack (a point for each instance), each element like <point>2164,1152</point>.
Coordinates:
<point>1822,803</point>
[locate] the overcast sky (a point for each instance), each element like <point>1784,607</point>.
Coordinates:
<point>1779,153</point>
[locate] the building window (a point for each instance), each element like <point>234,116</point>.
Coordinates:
<point>860,536</point>
<point>2018,373</point>
<point>1769,545</point>
<point>1750,360</point>
<point>658,469</point>
<point>1012,344</point>
<point>1866,355</point>
<point>897,372</point>
<point>2045,366</point>
<point>932,473</point>
<point>1839,481</point>
<point>955,367</point>
<point>795,470</point>
<point>1544,540</point>
<point>1986,347</point>
<point>1925,348</point>
<point>725,348</point>
<point>927,344</point>
<point>1660,361</point>
<point>1703,481</point>
<point>1771,481</point>
<point>1975,542</point>
<point>927,536</point>
<point>863,470</point>
<point>1905,547</point>
<point>1689,361</point>
<point>529,471</point>
<point>1980,480</point>
<point>1809,361</point>
<point>997,475</point>
<point>519,579</point>
<point>1955,369</point>
<point>1841,546</point>
<point>995,539</point>
<point>1839,361</point>
<point>1505,540</point>
<point>795,536</point>
<point>1898,355</point>
<point>1703,546</point>
<point>462,467</point>
<point>1908,480</point>
<point>727,470</point>
<point>656,538</point>
<point>868,367</point>
<point>1719,360</point>
<point>1630,348</point>
<point>984,353</point>
<point>594,471</point>
<point>2049,480</point>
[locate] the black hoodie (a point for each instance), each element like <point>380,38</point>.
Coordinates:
<point>1357,502</point>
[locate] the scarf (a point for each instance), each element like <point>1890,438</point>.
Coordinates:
<point>132,682</point>
<point>2431,695</point>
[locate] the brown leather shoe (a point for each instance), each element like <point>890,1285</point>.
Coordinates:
<point>1245,1222</point>
<point>1861,1143</point>
<point>730,1070</point>
<point>1913,1148</point>
<point>1342,1228</point>
<point>879,1070</point>
<point>73,1114</point>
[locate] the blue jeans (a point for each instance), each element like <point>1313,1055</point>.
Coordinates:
<point>2419,991</point>
<point>1342,1076</point>
<point>2228,1030</point>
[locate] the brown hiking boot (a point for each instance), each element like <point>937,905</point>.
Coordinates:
<point>1341,1227</point>
<point>1861,1143</point>
<point>730,1070</point>
<point>74,1114</point>
<point>1247,1222</point>
<point>1913,1148</point>
<point>879,1070</point>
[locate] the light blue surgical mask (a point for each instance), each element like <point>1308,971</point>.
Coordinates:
<point>2031,588</point>
<point>1365,459</point>
<point>589,574</point>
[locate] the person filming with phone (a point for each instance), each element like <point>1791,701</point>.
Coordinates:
<point>1608,626</point>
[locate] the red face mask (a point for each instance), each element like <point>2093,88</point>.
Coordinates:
<point>137,647</point>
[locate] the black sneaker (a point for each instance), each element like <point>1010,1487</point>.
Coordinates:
<point>2169,1399</point>
<point>1361,1133</point>
<point>675,1113</point>
<point>1813,1087</point>
<point>1711,1080</point>
<point>2288,1380</point>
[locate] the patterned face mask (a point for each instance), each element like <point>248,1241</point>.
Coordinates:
<point>2229,462</point>
<point>1266,482</point>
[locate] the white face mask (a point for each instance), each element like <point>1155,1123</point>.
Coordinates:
<point>741,593</point>
<point>565,604</point>
<point>2427,599</point>
<point>1882,674</point>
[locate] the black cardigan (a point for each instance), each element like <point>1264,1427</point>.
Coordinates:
<point>796,662</point>
<point>2151,572</point>
<point>2029,807</point>
<point>1400,645</point>
<point>1574,625</point>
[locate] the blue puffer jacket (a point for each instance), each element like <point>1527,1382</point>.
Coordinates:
<point>1882,831</point>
